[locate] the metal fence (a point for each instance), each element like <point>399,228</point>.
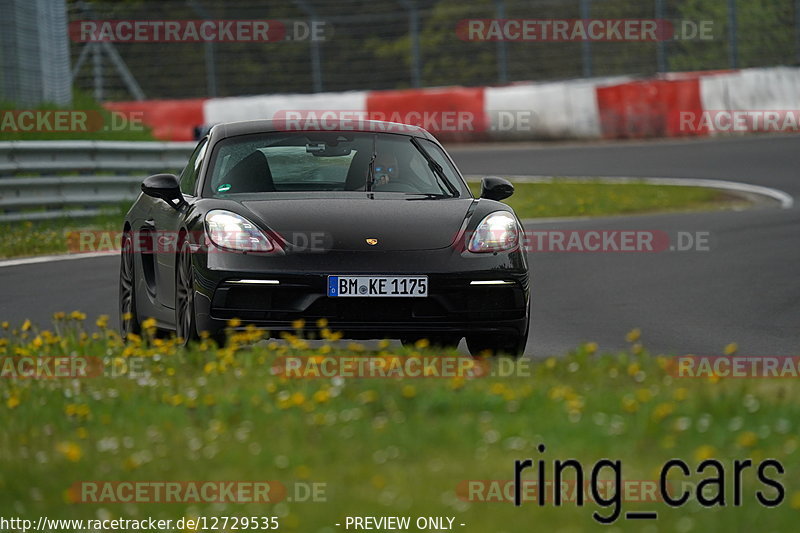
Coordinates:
<point>390,44</point>
<point>61,179</point>
<point>34,58</point>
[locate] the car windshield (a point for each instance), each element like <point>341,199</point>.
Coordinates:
<point>332,161</point>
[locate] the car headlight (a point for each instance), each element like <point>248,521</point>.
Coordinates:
<point>233,232</point>
<point>497,232</point>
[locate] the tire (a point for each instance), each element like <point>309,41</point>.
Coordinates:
<point>513,345</point>
<point>127,290</point>
<point>185,319</point>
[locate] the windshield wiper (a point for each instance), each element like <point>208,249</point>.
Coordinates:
<point>371,167</point>
<point>427,196</point>
<point>436,168</point>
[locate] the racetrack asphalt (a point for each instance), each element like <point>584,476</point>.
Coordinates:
<point>744,289</point>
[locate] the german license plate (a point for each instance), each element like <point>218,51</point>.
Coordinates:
<point>378,286</point>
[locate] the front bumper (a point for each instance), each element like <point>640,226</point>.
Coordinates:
<point>453,306</point>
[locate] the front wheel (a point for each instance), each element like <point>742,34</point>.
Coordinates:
<point>185,321</point>
<point>513,345</point>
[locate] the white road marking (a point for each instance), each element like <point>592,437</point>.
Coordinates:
<point>779,196</point>
<point>53,258</point>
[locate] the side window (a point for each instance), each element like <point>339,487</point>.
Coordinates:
<point>188,177</point>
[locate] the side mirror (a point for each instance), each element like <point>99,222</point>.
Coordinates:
<point>494,188</point>
<point>164,186</point>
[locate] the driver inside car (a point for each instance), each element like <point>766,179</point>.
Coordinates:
<point>385,169</point>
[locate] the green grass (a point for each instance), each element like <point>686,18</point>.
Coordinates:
<point>111,130</point>
<point>383,447</point>
<point>530,200</point>
<point>592,198</point>
<point>43,237</point>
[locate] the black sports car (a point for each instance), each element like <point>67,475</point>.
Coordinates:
<point>369,226</point>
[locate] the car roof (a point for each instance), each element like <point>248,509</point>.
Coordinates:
<point>232,129</point>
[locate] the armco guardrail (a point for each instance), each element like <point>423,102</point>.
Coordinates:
<point>57,179</point>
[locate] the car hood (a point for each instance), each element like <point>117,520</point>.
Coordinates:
<point>346,224</point>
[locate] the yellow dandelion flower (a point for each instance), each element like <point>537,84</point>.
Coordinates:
<point>321,396</point>
<point>629,404</point>
<point>60,315</point>
<point>591,347</point>
<point>12,402</point>
<point>662,411</point>
<point>298,398</point>
<point>706,451</point>
<point>322,323</point>
<point>26,325</point>
<point>644,395</point>
<point>5,324</point>
<point>77,315</point>
<point>633,369</point>
<point>234,322</point>
<point>422,343</point>
<point>302,472</point>
<point>299,324</point>
<point>409,391</point>
<point>680,394</point>
<point>497,388</point>
<point>747,439</point>
<point>102,321</point>
<point>633,335</point>
<point>731,348</point>
<point>457,382</point>
<point>550,363</point>
<point>368,396</point>
<point>71,451</point>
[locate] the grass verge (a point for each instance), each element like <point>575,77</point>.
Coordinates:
<point>593,198</point>
<point>530,200</point>
<point>382,446</point>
